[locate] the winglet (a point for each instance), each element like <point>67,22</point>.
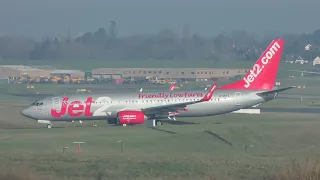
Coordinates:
<point>173,85</point>
<point>209,94</point>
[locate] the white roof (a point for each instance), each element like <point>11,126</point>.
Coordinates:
<point>62,71</point>
<point>317,58</point>
<point>21,68</point>
<point>299,59</point>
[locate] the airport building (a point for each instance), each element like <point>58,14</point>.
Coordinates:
<point>20,70</point>
<point>71,73</point>
<point>169,73</point>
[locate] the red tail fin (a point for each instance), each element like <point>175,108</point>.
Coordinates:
<point>209,94</point>
<point>173,85</point>
<point>262,75</point>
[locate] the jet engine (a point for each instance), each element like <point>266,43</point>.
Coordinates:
<point>131,117</point>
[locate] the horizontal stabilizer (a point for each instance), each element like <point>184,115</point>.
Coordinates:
<point>275,91</point>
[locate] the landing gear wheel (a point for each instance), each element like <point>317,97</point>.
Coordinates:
<point>158,123</point>
<point>49,126</point>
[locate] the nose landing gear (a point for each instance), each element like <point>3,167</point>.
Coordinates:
<point>48,123</point>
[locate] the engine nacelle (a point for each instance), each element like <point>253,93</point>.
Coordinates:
<point>131,117</point>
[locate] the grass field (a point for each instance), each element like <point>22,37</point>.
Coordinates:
<point>207,148</point>
<point>88,65</point>
<point>170,152</point>
<point>85,65</point>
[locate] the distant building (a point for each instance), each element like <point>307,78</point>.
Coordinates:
<point>299,60</point>
<point>170,73</point>
<point>19,70</point>
<point>71,73</point>
<point>308,47</point>
<point>316,61</point>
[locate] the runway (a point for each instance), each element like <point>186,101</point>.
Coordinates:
<point>290,110</point>
<point>304,110</point>
<point>297,96</point>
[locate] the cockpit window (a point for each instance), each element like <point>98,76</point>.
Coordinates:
<point>37,103</point>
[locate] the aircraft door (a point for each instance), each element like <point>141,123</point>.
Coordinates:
<point>56,103</point>
<point>237,98</point>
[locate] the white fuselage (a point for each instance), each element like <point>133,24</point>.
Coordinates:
<point>107,105</point>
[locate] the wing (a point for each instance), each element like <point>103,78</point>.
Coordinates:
<point>177,106</point>
<point>275,91</point>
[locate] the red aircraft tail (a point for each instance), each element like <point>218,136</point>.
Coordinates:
<point>173,85</point>
<point>262,75</point>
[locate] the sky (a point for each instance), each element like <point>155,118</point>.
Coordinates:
<point>40,18</point>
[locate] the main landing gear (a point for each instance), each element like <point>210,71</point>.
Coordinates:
<point>158,123</point>
<point>154,122</point>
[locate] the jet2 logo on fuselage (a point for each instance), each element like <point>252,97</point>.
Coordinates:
<point>257,68</point>
<point>73,109</point>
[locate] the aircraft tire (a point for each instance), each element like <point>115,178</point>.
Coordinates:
<point>158,123</point>
<point>49,126</point>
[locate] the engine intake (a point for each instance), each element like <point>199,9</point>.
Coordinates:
<point>131,117</point>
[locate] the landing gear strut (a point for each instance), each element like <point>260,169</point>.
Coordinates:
<point>153,123</point>
<point>48,123</point>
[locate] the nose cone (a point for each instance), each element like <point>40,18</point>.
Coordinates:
<point>23,112</point>
<point>26,112</point>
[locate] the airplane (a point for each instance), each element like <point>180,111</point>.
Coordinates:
<point>128,108</point>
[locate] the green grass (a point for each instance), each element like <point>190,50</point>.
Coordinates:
<point>91,64</point>
<point>185,153</point>
<point>88,65</point>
